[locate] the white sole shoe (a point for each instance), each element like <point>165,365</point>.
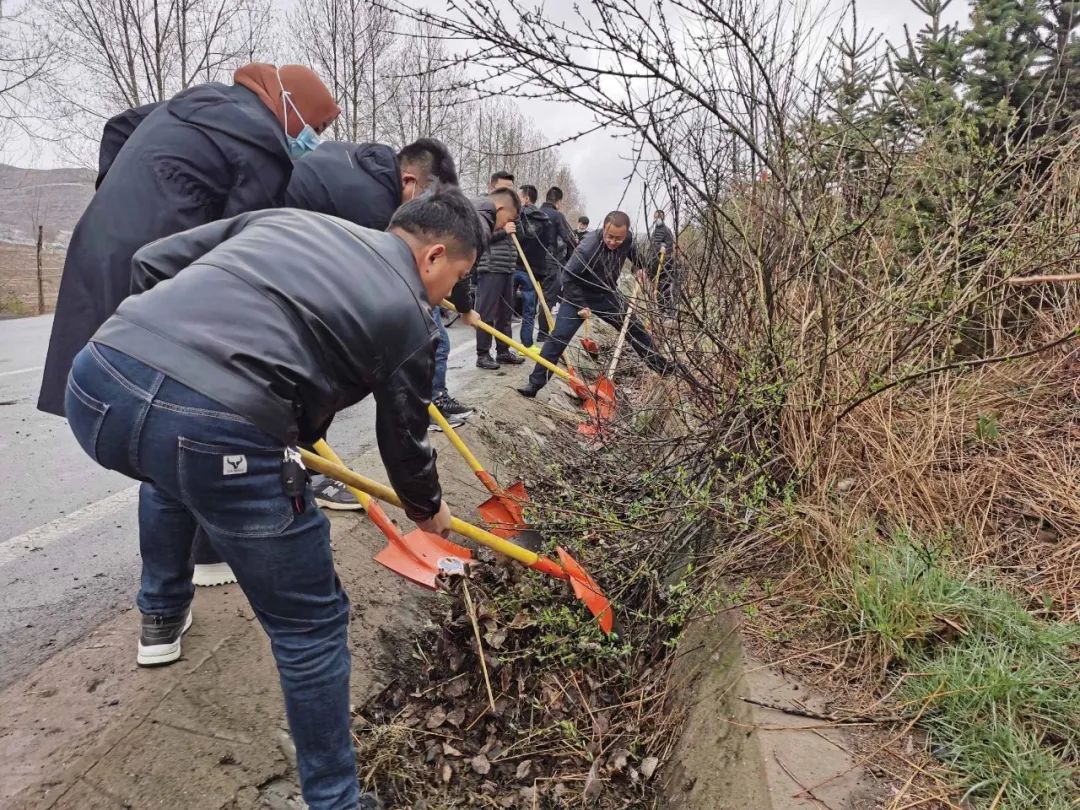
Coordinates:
<point>208,575</point>
<point>152,655</point>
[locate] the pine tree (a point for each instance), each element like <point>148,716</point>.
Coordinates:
<point>1003,47</point>
<point>928,74</point>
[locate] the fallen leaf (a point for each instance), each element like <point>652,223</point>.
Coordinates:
<point>447,773</point>
<point>649,766</point>
<point>480,764</point>
<point>456,717</point>
<point>496,638</point>
<point>525,769</point>
<point>617,760</point>
<point>436,718</point>
<point>456,688</point>
<point>449,750</point>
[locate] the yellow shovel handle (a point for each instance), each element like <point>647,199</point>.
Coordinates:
<point>455,440</point>
<point>509,341</point>
<point>384,493</point>
<point>324,450</point>
<point>536,285</point>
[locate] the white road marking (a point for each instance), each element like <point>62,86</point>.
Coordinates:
<point>21,371</point>
<point>49,533</point>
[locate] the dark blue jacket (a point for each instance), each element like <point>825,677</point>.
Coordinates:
<point>591,276</point>
<point>212,151</point>
<point>115,134</point>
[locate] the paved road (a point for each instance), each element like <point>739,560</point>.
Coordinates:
<point>68,549</point>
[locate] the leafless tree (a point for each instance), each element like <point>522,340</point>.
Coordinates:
<point>124,53</point>
<point>27,58</point>
<point>350,43</point>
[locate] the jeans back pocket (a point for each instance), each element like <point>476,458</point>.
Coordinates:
<point>85,417</point>
<point>234,490</point>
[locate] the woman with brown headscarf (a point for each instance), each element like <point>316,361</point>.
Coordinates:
<point>212,151</point>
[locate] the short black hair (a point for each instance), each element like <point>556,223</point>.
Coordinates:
<point>583,220</point>
<point>497,176</point>
<point>617,218</point>
<point>442,213</point>
<point>660,211</point>
<point>509,193</point>
<point>529,193</point>
<point>431,158</point>
<point>554,195</point>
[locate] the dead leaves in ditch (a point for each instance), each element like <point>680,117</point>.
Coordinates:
<point>555,738</point>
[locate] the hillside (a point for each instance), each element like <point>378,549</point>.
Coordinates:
<point>53,199</point>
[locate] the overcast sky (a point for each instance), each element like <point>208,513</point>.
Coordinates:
<point>600,162</point>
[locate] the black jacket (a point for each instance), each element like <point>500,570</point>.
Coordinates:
<point>592,274</point>
<point>661,237</point>
<point>287,317</point>
<point>536,232</point>
<point>565,240</point>
<point>357,182</point>
<point>115,134</point>
<point>212,151</point>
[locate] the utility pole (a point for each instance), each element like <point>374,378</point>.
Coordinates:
<point>40,280</point>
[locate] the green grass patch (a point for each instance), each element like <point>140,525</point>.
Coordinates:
<point>997,690</point>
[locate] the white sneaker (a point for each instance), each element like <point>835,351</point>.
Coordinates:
<point>208,575</point>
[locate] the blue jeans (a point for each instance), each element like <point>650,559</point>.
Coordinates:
<point>204,466</point>
<point>442,355</point>
<point>528,306</point>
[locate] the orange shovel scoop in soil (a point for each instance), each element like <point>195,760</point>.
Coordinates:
<point>419,556</point>
<point>502,511</point>
<point>585,587</point>
<point>588,344</point>
<point>602,406</point>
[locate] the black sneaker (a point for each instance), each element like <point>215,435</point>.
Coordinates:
<point>159,640</point>
<point>485,362</point>
<point>455,423</point>
<point>510,358</point>
<point>451,407</point>
<point>331,494</point>
<point>529,390</point>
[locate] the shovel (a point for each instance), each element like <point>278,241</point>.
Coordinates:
<point>584,586</point>
<point>588,344</point>
<point>602,406</point>
<point>502,511</point>
<point>540,297</point>
<point>419,556</point>
<point>580,389</point>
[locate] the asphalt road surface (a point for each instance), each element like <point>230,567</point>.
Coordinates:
<point>69,555</point>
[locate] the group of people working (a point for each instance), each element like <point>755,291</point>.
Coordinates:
<point>233,284</point>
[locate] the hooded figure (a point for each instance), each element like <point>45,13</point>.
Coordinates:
<point>357,182</point>
<point>212,151</point>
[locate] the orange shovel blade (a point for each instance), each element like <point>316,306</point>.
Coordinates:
<point>502,512</point>
<point>591,347</point>
<point>586,589</point>
<point>422,557</point>
<point>605,389</point>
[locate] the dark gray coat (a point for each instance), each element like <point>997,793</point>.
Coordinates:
<point>287,317</point>
<point>212,151</point>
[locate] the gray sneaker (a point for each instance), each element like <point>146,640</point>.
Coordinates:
<point>331,494</point>
<point>159,639</point>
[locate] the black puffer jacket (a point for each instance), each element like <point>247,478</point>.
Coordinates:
<point>536,232</point>
<point>357,182</point>
<point>212,151</point>
<point>287,317</point>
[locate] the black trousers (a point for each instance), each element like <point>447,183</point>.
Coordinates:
<point>495,303</point>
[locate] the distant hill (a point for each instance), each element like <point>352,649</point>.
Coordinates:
<point>53,198</point>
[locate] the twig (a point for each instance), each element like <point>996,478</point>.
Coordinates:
<point>479,644</point>
<point>860,719</point>
<point>1023,281</point>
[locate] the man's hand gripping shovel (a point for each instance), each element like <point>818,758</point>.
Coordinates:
<point>585,588</point>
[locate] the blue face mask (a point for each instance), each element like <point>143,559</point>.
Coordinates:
<point>303,144</point>
<point>306,141</point>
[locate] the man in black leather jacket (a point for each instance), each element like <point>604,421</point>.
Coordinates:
<point>244,337</point>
